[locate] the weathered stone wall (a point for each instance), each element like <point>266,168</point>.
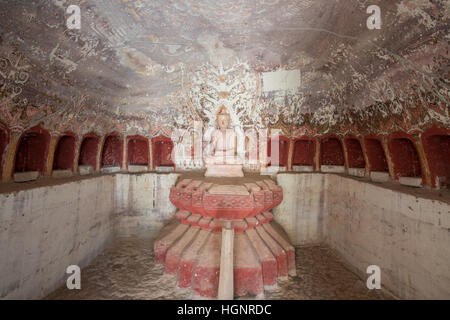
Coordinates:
<point>142,202</point>
<point>301,213</point>
<point>408,237</point>
<point>46,229</point>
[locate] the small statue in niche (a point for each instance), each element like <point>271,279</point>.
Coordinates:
<point>221,156</point>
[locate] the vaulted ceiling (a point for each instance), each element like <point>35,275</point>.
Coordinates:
<point>136,56</point>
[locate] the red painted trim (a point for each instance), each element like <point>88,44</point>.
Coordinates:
<point>67,134</point>
<point>3,144</point>
<point>155,140</point>
<point>40,131</point>
<point>314,149</point>
<point>139,138</point>
<point>327,137</point>
<point>431,150</point>
<point>97,140</point>
<point>371,160</point>
<point>353,138</point>
<point>112,134</point>
<point>394,153</point>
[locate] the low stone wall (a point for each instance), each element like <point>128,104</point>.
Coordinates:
<point>302,213</point>
<point>46,229</point>
<point>408,237</point>
<point>142,203</point>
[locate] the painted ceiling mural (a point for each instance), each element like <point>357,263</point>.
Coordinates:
<point>146,67</point>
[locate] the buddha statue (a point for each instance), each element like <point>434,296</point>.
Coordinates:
<point>221,156</point>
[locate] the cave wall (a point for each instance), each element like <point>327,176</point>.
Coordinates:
<point>46,229</point>
<point>406,235</point>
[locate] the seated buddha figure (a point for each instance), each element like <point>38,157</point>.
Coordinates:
<point>221,157</point>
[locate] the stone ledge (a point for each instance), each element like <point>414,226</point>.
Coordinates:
<point>85,170</point>
<point>303,168</point>
<point>164,169</point>
<point>62,173</point>
<point>357,172</point>
<point>26,176</point>
<point>137,168</point>
<point>110,169</point>
<point>332,169</point>
<point>379,176</point>
<point>415,182</point>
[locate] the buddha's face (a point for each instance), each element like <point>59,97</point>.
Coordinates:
<point>223,121</point>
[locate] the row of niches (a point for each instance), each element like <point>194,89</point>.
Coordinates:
<point>414,160</point>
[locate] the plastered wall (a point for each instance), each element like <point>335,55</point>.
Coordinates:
<point>44,230</point>
<point>407,236</point>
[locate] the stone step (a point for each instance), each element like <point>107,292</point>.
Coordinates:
<point>206,275</point>
<point>174,253</point>
<point>267,259</point>
<point>162,245</point>
<point>288,248</point>
<point>247,268</point>
<point>276,250</point>
<point>189,259</point>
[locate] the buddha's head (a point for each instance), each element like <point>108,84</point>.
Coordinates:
<point>223,118</point>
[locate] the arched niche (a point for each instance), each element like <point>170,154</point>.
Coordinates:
<point>137,151</point>
<point>404,156</point>
<point>436,143</point>
<point>331,152</point>
<point>65,153</point>
<point>88,151</point>
<point>304,151</point>
<point>355,153</point>
<point>4,140</point>
<point>375,154</point>
<point>32,151</point>
<point>112,151</point>
<point>283,151</point>
<point>162,152</point>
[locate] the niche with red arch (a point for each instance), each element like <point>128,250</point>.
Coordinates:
<point>4,140</point>
<point>436,143</point>
<point>137,151</point>
<point>162,152</point>
<point>304,151</point>
<point>354,153</point>
<point>112,151</point>
<point>375,154</point>
<point>404,156</point>
<point>283,152</point>
<point>332,153</point>
<point>65,152</point>
<point>32,151</point>
<point>89,151</point>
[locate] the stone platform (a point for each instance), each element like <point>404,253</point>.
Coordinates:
<point>190,246</point>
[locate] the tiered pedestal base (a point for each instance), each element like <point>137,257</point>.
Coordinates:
<point>190,248</point>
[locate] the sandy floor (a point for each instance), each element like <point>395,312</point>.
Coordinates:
<point>126,270</point>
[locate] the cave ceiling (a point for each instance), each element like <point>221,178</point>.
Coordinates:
<point>133,57</point>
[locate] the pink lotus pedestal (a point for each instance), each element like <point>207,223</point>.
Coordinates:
<point>190,246</point>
